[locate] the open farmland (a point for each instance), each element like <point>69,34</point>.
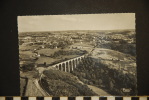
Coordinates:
<point>109,59</point>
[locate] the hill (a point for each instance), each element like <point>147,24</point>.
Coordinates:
<point>59,83</point>
<point>109,70</point>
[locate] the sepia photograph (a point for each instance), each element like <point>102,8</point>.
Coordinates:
<point>77,55</point>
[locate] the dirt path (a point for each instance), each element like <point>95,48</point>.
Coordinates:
<point>98,91</point>
<point>33,88</point>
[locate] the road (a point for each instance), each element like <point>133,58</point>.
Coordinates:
<point>98,91</point>
<point>33,89</point>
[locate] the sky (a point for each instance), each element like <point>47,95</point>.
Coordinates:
<point>76,22</point>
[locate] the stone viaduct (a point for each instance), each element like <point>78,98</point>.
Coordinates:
<point>69,65</point>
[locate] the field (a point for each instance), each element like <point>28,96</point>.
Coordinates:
<point>110,65</point>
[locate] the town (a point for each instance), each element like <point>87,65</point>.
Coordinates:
<point>108,51</point>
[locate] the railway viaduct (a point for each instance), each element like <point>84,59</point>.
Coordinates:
<point>69,65</point>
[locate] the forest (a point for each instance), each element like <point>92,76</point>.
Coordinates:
<point>112,80</point>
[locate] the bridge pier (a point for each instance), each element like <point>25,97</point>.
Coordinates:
<point>65,67</point>
<point>75,63</point>
<point>60,67</point>
<point>69,65</point>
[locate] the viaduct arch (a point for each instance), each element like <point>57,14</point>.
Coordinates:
<point>69,65</point>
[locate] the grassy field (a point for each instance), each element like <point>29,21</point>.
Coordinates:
<point>51,56</point>
<point>48,51</point>
<point>114,59</point>
<point>27,47</point>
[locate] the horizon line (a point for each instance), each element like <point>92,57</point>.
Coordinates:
<point>76,30</point>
